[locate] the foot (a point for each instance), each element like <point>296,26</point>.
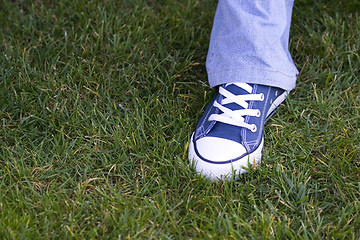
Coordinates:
<point>229,136</point>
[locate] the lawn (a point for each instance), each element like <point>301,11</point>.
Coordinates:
<point>98,100</point>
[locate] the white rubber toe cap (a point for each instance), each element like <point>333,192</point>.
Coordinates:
<point>219,149</point>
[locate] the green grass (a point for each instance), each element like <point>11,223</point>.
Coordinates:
<point>98,100</point>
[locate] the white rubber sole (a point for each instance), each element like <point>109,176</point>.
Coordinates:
<point>226,171</point>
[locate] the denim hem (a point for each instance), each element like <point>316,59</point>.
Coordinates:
<point>286,81</point>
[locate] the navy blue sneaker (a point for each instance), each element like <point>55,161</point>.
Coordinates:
<point>230,135</point>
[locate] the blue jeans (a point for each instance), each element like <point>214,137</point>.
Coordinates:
<point>249,43</point>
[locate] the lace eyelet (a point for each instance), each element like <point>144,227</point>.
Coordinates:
<point>254,128</point>
<point>258,114</point>
<point>262,97</point>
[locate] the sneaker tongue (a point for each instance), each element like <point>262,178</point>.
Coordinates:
<point>236,91</point>
<point>223,130</point>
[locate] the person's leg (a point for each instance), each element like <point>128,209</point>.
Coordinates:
<point>249,58</point>
<point>249,43</point>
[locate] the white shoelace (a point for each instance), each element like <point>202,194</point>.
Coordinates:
<point>236,117</point>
